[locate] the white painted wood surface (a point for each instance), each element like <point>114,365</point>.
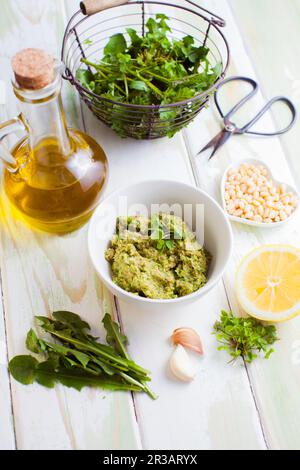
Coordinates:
<point>41,273</point>
<point>7,438</point>
<point>226,407</point>
<point>275,383</point>
<point>270,29</point>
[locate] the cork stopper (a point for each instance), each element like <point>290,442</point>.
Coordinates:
<point>33,68</point>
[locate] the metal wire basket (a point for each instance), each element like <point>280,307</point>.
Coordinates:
<point>88,32</point>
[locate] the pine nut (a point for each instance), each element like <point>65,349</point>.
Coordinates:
<point>251,193</point>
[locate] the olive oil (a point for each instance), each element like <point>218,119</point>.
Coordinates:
<point>54,192</point>
<point>54,176</point>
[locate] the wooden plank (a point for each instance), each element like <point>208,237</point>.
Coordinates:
<point>160,426</point>
<point>275,382</point>
<point>42,273</point>
<point>7,437</point>
<point>217,410</point>
<point>271,29</point>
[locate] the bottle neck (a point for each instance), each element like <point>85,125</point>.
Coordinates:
<point>44,113</point>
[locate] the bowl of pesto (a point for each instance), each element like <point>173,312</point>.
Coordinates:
<point>159,243</point>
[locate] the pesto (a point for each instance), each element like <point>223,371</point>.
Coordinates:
<point>157,258</point>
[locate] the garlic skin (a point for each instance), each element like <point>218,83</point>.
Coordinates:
<point>188,338</point>
<point>181,365</point>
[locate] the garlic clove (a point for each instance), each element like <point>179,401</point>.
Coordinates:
<point>181,365</point>
<point>189,339</point>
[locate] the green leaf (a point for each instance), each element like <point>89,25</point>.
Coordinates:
<point>70,324</point>
<point>114,336</point>
<point>33,344</point>
<point>138,85</point>
<point>83,358</point>
<point>107,368</point>
<point>170,244</point>
<point>23,369</point>
<point>77,359</point>
<point>85,77</point>
<point>188,41</point>
<point>136,40</point>
<point>45,322</point>
<point>68,362</point>
<point>124,62</point>
<point>218,69</point>
<point>268,354</point>
<point>152,25</point>
<point>91,346</point>
<point>26,370</point>
<point>117,44</point>
<point>244,337</point>
<point>45,373</point>
<point>198,54</point>
<point>71,319</point>
<point>161,16</point>
<point>160,244</point>
<point>167,114</point>
<point>78,379</point>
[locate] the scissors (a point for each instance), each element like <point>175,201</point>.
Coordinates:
<point>231,129</point>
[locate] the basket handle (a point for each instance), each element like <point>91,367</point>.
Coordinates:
<point>90,7</point>
<point>215,19</point>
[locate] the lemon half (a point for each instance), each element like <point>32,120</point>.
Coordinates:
<point>268,283</point>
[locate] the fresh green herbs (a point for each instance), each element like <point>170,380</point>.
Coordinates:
<point>76,359</point>
<point>162,230</point>
<point>165,234</point>
<point>244,337</point>
<point>149,70</point>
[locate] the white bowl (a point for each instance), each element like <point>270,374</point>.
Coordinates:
<point>240,220</point>
<point>217,231</point>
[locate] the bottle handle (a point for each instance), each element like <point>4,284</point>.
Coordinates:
<point>6,128</point>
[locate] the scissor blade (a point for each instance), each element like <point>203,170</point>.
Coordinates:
<point>226,135</point>
<point>212,143</point>
<point>216,142</point>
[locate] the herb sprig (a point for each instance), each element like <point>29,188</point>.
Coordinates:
<point>76,359</point>
<point>164,236</point>
<point>149,70</point>
<point>244,337</point>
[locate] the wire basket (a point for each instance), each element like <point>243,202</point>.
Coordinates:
<point>87,34</point>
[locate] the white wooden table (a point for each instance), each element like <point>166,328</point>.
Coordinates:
<point>226,407</point>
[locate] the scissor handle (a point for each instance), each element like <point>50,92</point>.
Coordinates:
<point>245,130</point>
<point>266,108</point>
<point>241,103</point>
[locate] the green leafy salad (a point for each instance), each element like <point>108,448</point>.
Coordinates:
<point>70,355</point>
<point>153,69</point>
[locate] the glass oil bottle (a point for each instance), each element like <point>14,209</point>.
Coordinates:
<point>54,175</point>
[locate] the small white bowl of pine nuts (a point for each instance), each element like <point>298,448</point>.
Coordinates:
<point>251,195</point>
